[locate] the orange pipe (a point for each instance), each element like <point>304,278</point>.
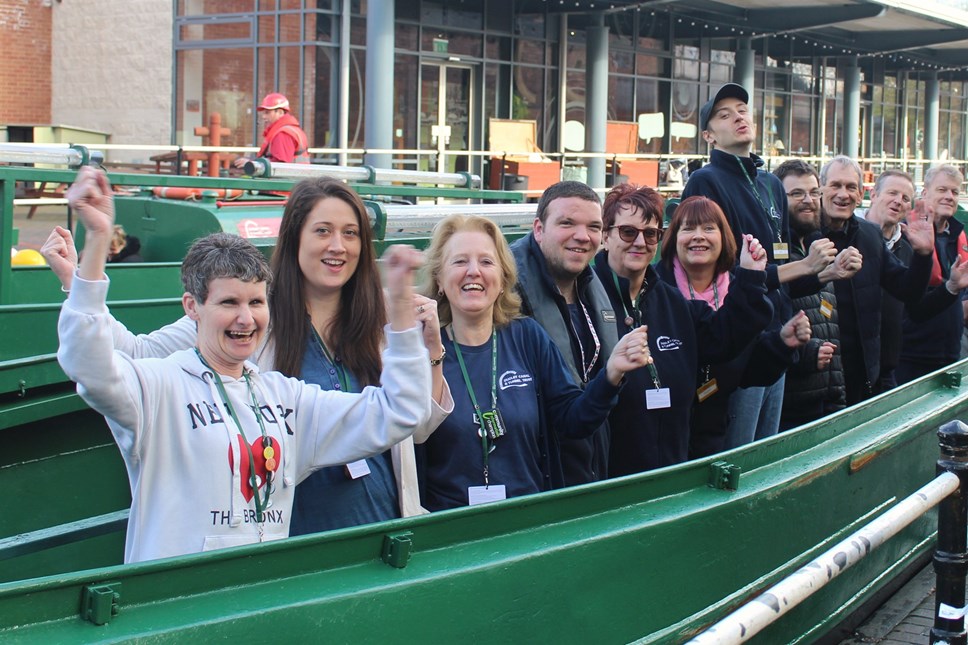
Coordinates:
<point>180,192</point>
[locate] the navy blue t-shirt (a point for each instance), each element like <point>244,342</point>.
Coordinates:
<point>328,499</point>
<point>535,392</point>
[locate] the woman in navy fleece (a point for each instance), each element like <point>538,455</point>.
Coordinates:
<point>697,258</point>
<point>512,392</point>
<point>650,425</point>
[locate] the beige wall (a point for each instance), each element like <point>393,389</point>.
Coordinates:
<point>111,70</point>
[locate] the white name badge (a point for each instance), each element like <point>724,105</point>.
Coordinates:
<point>358,469</point>
<point>484,494</point>
<point>658,399</point>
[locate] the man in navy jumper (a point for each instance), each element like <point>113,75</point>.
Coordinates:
<point>931,344</point>
<point>755,203</point>
<point>561,292</point>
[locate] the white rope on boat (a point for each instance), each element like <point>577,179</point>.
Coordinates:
<point>756,615</point>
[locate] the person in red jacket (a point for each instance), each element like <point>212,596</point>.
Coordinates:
<point>283,141</point>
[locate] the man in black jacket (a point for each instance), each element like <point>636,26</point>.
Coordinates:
<point>560,291</point>
<point>859,299</point>
<point>754,203</point>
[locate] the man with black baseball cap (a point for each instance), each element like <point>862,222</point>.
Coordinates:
<point>754,203</point>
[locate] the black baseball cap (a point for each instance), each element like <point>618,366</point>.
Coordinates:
<point>727,91</point>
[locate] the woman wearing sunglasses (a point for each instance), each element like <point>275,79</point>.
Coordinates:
<point>650,424</point>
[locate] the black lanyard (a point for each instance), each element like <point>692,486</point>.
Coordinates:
<point>770,211</point>
<point>485,446</point>
<point>268,452</point>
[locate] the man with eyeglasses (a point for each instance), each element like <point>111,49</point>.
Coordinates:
<point>561,292</point>
<point>814,385</point>
<point>754,203</point>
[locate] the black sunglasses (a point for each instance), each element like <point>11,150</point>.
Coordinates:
<point>630,233</point>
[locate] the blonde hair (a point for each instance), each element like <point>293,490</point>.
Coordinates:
<point>507,307</point>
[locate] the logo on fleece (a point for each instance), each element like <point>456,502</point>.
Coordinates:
<point>259,458</point>
<point>666,344</point>
<point>513,379</point>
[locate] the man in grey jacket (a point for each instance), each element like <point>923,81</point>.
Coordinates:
<point>562,293</point>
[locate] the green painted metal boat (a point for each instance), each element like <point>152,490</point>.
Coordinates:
<point>655,557</point>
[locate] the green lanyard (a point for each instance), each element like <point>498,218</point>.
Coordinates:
<point>769,211</point>
<point>341,375</point>
<point>635,316</point>
<point>485,448</point>
<point>267,450</point>
<point>692,294</point>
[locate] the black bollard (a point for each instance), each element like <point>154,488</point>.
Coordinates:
<point>950,558</point>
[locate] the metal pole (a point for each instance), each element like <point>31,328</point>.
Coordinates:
<point>950,558</point>
<point>757,614</point>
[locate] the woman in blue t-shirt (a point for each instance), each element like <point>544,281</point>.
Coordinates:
<point>512,392</point>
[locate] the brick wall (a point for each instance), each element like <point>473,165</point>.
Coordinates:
<point>25,28</point>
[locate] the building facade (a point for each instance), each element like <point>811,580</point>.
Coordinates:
<point>416,83</point>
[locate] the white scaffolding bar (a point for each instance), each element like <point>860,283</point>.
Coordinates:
<point>756,615</point>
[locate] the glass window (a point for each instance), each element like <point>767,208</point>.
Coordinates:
<point>455,42</point>
<point>684,126</point>
<point>801,125</point>
<point>322,65</point>
<point>621,94</point>
<point>200,91</point>
<point>686,65</point>
<point>652,115</point>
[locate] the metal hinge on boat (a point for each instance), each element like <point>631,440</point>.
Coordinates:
<point>101,603</point>
<point>396,549</point>
<point>724,475</point>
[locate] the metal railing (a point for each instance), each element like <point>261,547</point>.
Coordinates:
<point>947,490</point>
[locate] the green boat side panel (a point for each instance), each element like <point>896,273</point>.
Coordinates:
<point>654,557</point>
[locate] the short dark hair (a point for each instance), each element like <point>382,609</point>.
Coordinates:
<point>647,199</point>
<point>562,190</point>
<point>696,211</point>
<point>222,255</point>
<point>796,168</point>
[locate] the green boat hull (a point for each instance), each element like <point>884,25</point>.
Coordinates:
<point>655,557</point>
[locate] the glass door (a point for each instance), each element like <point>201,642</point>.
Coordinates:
<point>446,122</point>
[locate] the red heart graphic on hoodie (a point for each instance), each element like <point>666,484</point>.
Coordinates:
<point>258,456</point>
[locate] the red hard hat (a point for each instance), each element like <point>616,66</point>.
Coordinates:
<point>275,101</point>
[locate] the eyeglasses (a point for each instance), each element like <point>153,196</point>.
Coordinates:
<point>798,195</point>
<point>630,233</point>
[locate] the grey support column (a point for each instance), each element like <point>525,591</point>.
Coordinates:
<point>378,97</point>
<point>596,99</point>
<point>932,113</point>
<point>851,136</point>
<point>743,72</point>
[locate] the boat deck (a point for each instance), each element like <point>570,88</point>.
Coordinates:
<point>905,618</point>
